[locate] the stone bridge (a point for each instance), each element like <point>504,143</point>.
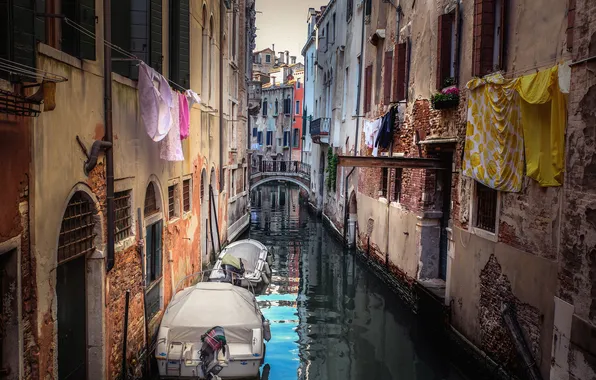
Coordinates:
<point>270,171</point>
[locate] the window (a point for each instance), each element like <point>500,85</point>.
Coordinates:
<point>265,107</point>
<point>123,217</point>
<point>486,208</point>
<point>150,201</point>
<point>245,179</point>
<point>297,109</point>
<point>367,87</point>
<point>489,36</point>
<point>269,137</point>
<point>333,29</point>
<point>173,208</point>
<point>186,195</point>
<point>446,45</point>
<point>350,10</point>
<point>296,138</point>
<point>368,8</point>
<point>268,58</point>
<point>74,42</point>
<point>77,232</point>
<point>388,69</point>
<point>233,183</point>
<point>384,180</point>
<point>137,27</point>
<point>399,78</point>
<point>286,138</point>
<point>327,42</point>
<point>288,106</point>
<point>260,138</point>
<point>254,132</point>
<point>570,24</point>
<point>18,36</point>
<point>276,108</point>
<point>298,83</point>
<point>397,185</point>
<point>344,104</point>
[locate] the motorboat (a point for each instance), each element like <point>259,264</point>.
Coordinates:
<point>212,330</point>
<point>244,263</point>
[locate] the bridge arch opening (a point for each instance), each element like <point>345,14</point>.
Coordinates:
<point>280,179</point>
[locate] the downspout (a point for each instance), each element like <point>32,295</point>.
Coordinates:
<point>222,11</point>
<point>108,138</point>
<point>346,183</point>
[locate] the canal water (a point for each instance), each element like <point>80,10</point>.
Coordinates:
<point>331,318</point>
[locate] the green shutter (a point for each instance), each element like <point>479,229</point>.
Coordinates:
<point>179,42</point>
<point>23,48</point>
<point>4,32</point>
<point>121,35</point>
<point>87,21</point>
<point>155,36</point>
<point>40,21</point>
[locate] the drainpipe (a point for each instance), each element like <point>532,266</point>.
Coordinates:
<point>358,93</point>
<point>108,138</point>
<point>222,11</point>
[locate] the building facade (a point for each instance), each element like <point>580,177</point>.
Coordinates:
<point>67,289</point>
<point>496,253</point>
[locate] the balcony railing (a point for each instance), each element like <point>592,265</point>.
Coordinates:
<point>319,130</point>
<point>282,167</point>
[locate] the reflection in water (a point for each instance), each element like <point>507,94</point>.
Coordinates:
<point>330,317</point>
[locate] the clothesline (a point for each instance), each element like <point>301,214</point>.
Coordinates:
<point>116,48</point>
<point>31,72</point>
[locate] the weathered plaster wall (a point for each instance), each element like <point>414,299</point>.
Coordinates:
<point>485,274</point>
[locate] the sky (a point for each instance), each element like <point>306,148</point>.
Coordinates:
<point>283,23</point>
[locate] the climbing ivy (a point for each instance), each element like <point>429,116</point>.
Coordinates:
<point>332,160</point>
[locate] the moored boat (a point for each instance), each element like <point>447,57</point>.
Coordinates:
<point>244,263</point>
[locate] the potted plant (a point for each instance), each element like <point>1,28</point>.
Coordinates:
<point>447,98</point>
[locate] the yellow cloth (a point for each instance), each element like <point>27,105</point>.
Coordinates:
<point>544,114</point>
<point>493,153</point>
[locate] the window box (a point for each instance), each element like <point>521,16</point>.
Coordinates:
<point>447,98</point>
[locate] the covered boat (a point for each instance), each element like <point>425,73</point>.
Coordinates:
<point>206,311</point>
<point>243,263</point>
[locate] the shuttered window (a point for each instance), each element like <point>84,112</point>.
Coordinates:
<point>399,78</point>
<point>570,24</point>
<point>288,106</point>
<point>74,42</point>
<point>180,42</point>
<point>388,70</point>
<point>367,87</point>
<point>444,61</point>
<point>17,32</point>
<point>155,35</point>
<point>489,36</point>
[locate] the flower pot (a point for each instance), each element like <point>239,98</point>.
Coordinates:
<point>445,104</point>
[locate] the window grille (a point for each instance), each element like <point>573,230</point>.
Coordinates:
<point>186,194</point>
<point>172,201</point>
<point>123,219</point>
<point>150,201</point>
<point>77,231</point>
<point>486,207</point>
<point>384,178</point>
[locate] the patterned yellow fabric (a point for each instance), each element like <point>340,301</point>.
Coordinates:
<point>494,150</point>
<point>544,115</point>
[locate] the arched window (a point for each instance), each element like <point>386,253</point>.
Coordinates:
<point>211,42</point>
<point>276,107</point>
<point>205,53</point>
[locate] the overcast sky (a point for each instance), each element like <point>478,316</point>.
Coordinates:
<point>283,23</point>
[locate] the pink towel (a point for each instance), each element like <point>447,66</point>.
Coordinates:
<point>170,148</point>
<point>184,117</point>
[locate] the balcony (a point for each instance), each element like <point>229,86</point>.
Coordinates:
<point>319,130</point>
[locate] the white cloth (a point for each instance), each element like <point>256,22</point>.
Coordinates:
<point>371,129</point>
<point>192,97</point>
<point>155,101</point>
<point>565,77</point>
<point>170,148</point>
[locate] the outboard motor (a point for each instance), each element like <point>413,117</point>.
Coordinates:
<point>233,273</point>
<point>214,352</point>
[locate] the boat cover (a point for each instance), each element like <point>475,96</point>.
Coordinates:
<point>197,309</point>
<point>247,250</point>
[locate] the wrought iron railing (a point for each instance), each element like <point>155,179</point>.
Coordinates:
<point>282,167</point>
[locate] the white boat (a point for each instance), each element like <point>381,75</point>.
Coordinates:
<point>196,310</point>
<point>254,258</point>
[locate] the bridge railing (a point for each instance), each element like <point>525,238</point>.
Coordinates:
<point>282,167</point>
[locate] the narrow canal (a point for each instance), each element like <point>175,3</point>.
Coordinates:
<point>332,319</point>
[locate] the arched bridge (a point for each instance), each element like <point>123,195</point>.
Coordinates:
<point>291,171</point>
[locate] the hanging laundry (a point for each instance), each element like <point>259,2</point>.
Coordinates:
<point>544,116</point>
<point>371,128</point>
<point>155,102</point>
<point>493,153</point>
<point>184,116</point>
<point>170,148</point>
<point>193,98</point>
<point>385,135</point>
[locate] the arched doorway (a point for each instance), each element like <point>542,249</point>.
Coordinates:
<point>79,294</point>
<point>204,218</point>
<point>352,220</point>
<point>153,221</point>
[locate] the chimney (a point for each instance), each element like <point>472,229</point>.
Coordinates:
<point>293,58</point>
<point>273,48</point>
<point>281,57</point>
<point>287,57</point>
